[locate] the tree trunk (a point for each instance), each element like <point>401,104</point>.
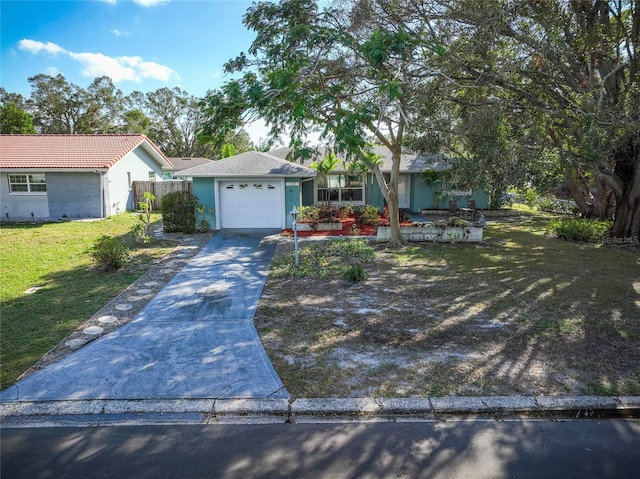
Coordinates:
<point>602,200</point>
<point>627,216</point>
<point>390,193</point>
<point>397,241</point>
<point>586,208</point>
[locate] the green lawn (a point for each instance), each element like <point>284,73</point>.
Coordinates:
<point>54,256</point>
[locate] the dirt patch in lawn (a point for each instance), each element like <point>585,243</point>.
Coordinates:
<point>521,314</point>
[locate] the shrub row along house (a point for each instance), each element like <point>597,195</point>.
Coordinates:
<point>258,190</point>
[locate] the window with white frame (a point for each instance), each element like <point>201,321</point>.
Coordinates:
<point>340,188</point>
<point>34,183</point>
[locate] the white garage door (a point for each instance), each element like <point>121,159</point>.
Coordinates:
<point>251,204</point>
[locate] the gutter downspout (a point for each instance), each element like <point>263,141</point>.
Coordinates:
<point>103,211</point>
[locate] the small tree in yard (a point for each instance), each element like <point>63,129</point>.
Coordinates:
<point>141,230</point>
<point>345,71</point>
<point>109,252</point>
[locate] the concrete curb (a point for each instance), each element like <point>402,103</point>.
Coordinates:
<point>27,413</point>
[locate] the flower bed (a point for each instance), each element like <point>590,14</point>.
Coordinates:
<point>332,226</point>
<point>346,227</point>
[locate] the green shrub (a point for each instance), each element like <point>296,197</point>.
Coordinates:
<point>139,232</point>
<point>179,212</point>
<point>308,214</point>
<point>327,212</point>
<point>529,197</point>
<point>579,229</point>
<point>110,252</point>
<point>346,211</point>
<point>354,273</point>
<point>556,206</point>
<point>367,215</point>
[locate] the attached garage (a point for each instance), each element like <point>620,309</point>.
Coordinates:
<point>255,203</point>
<point>250,190</point>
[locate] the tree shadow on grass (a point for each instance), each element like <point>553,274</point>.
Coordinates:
<point>521,314</point>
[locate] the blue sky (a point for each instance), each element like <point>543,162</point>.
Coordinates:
<point>141,44</point>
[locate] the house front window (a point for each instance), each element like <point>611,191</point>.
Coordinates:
<point>340,188</point>
<point>35,183</point>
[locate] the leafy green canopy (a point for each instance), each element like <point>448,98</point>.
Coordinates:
<point>344,71</point>
<point>548,89</point>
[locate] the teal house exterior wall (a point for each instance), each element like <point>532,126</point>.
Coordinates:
<point>373,195</point>
<point>301,191</point>
<point>292,197</point>
<point>420,194</point>
<point>308,193</point>
<point>203,189</point>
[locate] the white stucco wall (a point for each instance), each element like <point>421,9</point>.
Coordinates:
<point>135,166</point>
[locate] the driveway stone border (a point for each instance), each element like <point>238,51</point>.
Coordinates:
<point>61,413</point>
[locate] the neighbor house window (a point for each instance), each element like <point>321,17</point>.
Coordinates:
<point>341,188</point>
<point>152,176</point>
<point>35,183</point>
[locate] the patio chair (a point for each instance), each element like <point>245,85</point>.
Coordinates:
<point>472,210</point>
<point>453,208</point>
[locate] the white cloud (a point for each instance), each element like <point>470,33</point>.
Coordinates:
<point>97,64</point>
<point>52,71</point>
<point>34,46</point>
<point>149,3</point>
<point>149,69</point>
<point>118,33</point>
<point>131,68</point>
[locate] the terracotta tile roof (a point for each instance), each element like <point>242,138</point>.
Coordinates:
<point>72,151</point>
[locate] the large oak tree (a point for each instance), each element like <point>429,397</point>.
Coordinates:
<point>562,78</point>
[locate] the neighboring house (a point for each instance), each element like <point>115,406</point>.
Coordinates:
<point>74,176</point>
<point>258,190</point>
<point>182,163</point>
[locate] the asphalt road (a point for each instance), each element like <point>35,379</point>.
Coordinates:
<point>452,449</point>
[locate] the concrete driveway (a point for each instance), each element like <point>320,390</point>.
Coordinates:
<point>194,340</point>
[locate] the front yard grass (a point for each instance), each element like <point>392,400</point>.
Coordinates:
<point>53,257</point>
<point>521,314</point>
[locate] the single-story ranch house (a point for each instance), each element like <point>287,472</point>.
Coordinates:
<point>258,190</point>
<point>74,176</point>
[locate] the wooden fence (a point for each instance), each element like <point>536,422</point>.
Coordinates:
<point>158,189</point>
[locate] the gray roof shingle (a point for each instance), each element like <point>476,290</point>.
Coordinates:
<point>182,163</point>
<point>250,163</point>
<point>409,163</point>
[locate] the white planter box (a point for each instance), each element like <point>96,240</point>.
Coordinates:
<point>450,234</point>
<point>321,227</point>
